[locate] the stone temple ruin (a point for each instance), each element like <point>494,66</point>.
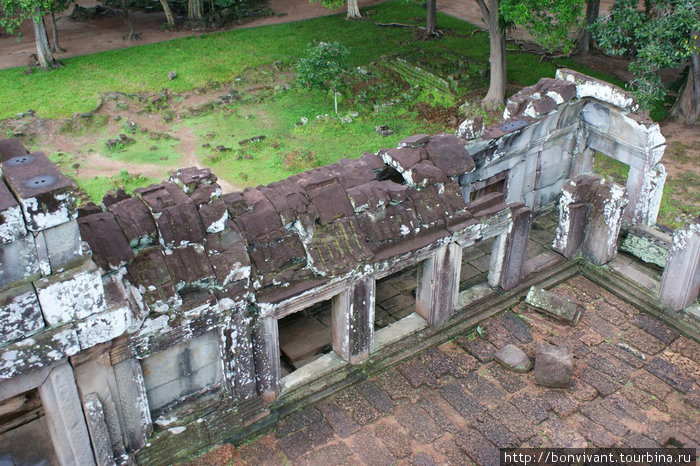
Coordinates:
<point>159,323</point>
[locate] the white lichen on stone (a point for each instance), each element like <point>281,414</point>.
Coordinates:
<point>75,298</point>
<point>12,226</point>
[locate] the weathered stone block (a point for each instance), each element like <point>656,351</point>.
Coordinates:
<point>97,428</point>
<point>554,306</point>
<point>513,358</point>
<point>20,313</point>
<point>182,370</point>
<point>39,350</point>
<point>471,128</point>
<point>46,196</point>
<point>553,366</point>
<point>107,241</point>
<point>70,295</point>
<point>680,282</point>
<point>20,262</point>
<point>10,148</point>
<point>647,243</point>
<point>99,328</point>
<point>11,220</point>
<point>63,245</point>
<point>59,397</point>
<point>601,90</point>
<point>133,403</point>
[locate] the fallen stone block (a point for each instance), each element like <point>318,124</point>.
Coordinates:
<point>553,366</point>
<point>554,306</point>
<point>513,358</point>
<point>647,243</point>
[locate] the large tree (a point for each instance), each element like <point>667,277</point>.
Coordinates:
<point>431,17</point>
<point>15,12</point>
<point>550,22</point>
<point>662,35</point>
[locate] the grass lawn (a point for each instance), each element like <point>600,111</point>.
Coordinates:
<point>221,57</point>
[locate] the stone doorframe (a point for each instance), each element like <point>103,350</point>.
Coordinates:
<point>64,412</point>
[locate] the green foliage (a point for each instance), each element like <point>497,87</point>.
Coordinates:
<point>325,66</point>
<point>662,37</point>
<point>550,22</point>
<point>15,12</point>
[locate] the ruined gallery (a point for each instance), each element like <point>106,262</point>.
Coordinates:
<point>157,324</point>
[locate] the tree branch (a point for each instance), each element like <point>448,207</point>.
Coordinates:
<point>484,11</point>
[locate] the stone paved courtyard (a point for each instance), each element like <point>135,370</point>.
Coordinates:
<point>636,384</point>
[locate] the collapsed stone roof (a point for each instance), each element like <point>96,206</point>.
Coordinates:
<point>184,236</point>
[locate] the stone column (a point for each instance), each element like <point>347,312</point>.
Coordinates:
<point>680,282</point>
<point>237,356</point>
<point>64,413</point>
<point>133,403</point>
<point>96,379</point>
<point>604,222</point>
<point>353,320</point>
<point>516,248</point>
<point>438,283</point>
<point>266,351</point>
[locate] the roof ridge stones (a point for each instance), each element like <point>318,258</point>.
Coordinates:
<point>184,235</point>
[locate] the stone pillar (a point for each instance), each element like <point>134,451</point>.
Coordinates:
<point>572,223</point>
<point>99,434</point>
<point>583,162</point>
<point>64,413</point>
<point>438,284</point>
<point>680,282</point>
<point>604,221</point>
<point>266,351</point>
<point>237,356</point>
<point>516,248</point>
<point>649,185</point>
<point>353,320</point>
<point>92,377</point>
<point>498,252</point>
<point>133,403</point>
<point>590,216</point>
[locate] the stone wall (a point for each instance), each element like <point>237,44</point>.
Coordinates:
<point>550,134</point>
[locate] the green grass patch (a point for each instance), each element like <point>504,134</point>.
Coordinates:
<point>166,152</point>
<point>680,203</point>
<point>288,148</point>
<point>97,187</point>
<point>610,169</point>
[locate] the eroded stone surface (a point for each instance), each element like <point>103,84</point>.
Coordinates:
<point>513,358</point>
<point>553,366</point>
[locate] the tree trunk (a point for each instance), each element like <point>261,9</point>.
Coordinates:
<point>127,20</point>
<point>592,11</point>
<point>496,94</point>
<point>687,106</point>
<point>43,50</point>
<point>194,10</point>
<point>56,47</point>
<point>335,101</point>
<point>168,14</point>
<point>353,10</point>
<point>431,18</point>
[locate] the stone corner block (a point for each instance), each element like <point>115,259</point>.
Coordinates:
<point>553,366</point>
